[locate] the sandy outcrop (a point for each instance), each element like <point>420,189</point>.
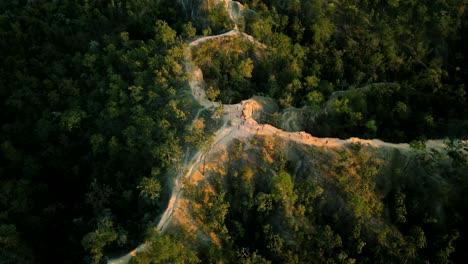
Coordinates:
<point>240,122</point>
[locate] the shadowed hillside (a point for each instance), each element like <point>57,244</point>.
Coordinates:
<point>217,131</point>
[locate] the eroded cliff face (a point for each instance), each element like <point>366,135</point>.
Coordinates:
<point>249,158</point>
<point>350,181</point>
<point>195,8</point>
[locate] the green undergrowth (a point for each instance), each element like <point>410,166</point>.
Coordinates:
<point>278,202</point>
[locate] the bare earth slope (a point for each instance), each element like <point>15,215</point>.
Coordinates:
<point>242,125</point>
<point>238,122</point>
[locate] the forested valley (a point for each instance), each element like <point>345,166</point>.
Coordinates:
<point>94,109</point>
<point>356,205</point>
<point>413,51</point>
<point>97,116</point>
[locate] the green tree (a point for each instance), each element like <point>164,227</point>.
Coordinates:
<point>164,249</point>
<point>188,30</point>
<point>245,257</point>
<point>283,190</point>
<point>400,208</point>
<point>315,100</point>
<point>164,33</point>
<point>149,188</point>
<point>95,241</point>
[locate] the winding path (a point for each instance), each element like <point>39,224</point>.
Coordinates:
<point>242,125</point>
<point>196,86</point>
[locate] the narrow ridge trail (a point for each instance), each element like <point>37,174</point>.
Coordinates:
<point>241,125</point>
<point>196,86</point>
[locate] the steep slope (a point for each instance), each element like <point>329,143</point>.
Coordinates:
<point>194,8</point>
<point>299,150</point>
<point>239,124</point>
<point>310,196</point>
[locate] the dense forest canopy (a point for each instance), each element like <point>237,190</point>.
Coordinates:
<point>326,206</point>
<point>319,47</point>
<point>96,112</point>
